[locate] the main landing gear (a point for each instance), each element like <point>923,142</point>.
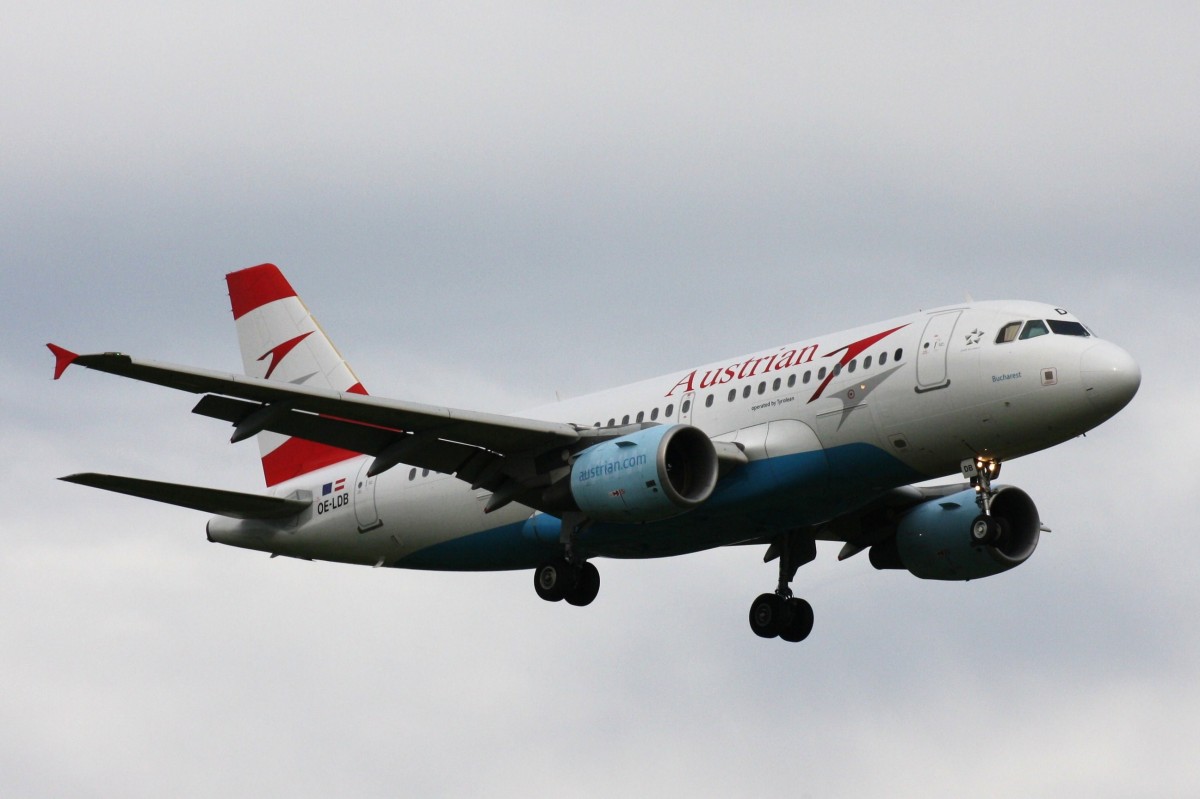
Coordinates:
<point>558,579</point>
<point>986,529</point>
<point>780,614</point>
<point>569,577</point>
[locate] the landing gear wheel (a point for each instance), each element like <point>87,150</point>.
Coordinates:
<point>554,579</point>
<point>587,585</point>
<point>769,615</point>
<point>985,531</point>
<point>801,623</point>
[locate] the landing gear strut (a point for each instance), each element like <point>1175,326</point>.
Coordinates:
<point>570,577</point>
<point>780,614</point>
<point>986,529</point>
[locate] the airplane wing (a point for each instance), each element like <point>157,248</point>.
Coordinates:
<point>860,528</point>
<point>513,457</point>
<point>507,435</point>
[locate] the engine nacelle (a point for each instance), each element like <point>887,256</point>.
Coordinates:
<point>645,476</point>
<point>933,540</point>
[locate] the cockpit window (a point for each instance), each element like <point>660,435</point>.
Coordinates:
<point>1034,328</point>
<point>1065,328</point>
<point>1008,333</point>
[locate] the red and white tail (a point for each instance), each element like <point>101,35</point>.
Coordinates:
<point>281,340</point>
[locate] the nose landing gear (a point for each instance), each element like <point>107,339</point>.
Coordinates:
<point>986,529</point>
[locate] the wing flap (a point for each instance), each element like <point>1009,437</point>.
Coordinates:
<point>389,447</point>
<point>211,500</point>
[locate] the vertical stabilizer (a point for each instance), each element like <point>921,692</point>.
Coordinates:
<point>280,340</point>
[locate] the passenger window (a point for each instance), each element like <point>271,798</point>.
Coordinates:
<point>792,380</point>
<point>807,377</point>
<point>612,422</point>
<point>412,474</point>
<point>653,414</point>
<point>708,401</point>
<point>732,394</point>
<point>1034,328</point>
<point>745,392</point>
<point>867,362</point>
<point>625,419</point>
<point>686,406</point>
<point>670,410</point>
<point>882,358</point>
<point>762,387</point>
<point>641,415</point>
<point>1008,333</point>
<point>853,364</point>
<point>775,386</point>
<point>837,370</point>
<point>821,373</point>
<point>899,354</point>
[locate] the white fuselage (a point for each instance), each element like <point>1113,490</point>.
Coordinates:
<point>827,424</point>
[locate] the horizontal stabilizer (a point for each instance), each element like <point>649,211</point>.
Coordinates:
<point>211,500</point>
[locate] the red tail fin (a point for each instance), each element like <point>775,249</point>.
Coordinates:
<point>280,340</point>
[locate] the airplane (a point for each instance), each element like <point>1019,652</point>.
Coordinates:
<point>824,439</point>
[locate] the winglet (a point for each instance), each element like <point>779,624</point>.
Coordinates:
<point>62,359</point>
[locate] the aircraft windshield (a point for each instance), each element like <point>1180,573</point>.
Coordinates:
<point>1008,333</point>
<point>1034,328</point>
<point>1039,327</point>
<point>1065,328</point>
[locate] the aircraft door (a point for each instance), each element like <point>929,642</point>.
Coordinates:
<point>933,351</point>
<point>364,499</point>
<point>685,407</point>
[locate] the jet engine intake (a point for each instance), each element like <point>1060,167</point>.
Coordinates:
<point>933,540</point>
<point>645,476</point>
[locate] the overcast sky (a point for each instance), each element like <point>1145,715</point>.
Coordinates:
<point>487,205</point>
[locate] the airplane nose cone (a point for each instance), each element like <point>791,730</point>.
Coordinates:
<point>1110,376</point>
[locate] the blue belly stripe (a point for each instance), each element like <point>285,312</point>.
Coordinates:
<point>764,495</point>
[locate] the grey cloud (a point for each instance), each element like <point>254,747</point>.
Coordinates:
<point>487,206</point>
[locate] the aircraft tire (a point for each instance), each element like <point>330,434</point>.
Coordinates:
<point>801,623</point>
<point>984,531</point>
<point>553,580</point>
<point>587,586</point>
<point>768,615</point>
